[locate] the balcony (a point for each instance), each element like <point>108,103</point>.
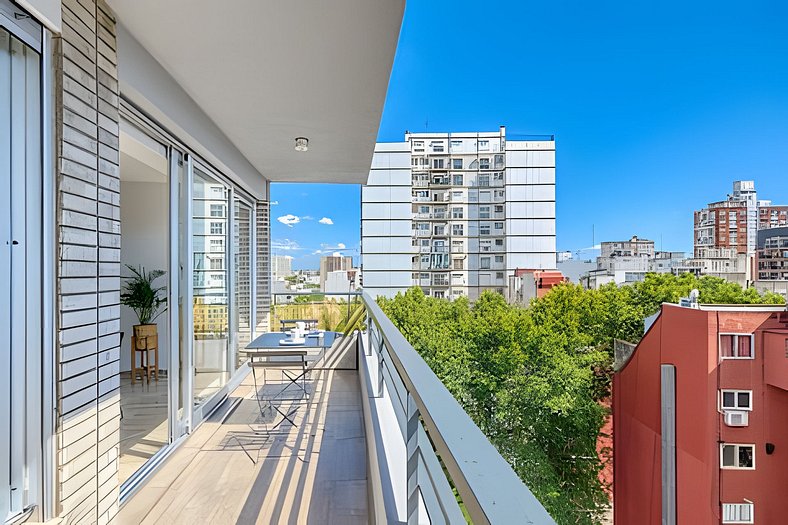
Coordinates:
<point>375,442</point>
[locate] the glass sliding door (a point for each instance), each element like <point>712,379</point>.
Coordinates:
<point>149,369</point>
<point>21,237</point>
<point>211,292</point>
<point>242,280</point>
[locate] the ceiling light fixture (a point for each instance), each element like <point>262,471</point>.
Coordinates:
<point>302,144</point>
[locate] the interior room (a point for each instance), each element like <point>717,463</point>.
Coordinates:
<point>144,213</point>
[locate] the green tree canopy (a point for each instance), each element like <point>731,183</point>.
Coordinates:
<point>532,378</point>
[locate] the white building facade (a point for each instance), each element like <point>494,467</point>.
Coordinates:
<point>457,213</point>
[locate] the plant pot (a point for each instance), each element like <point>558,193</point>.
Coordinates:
<point>144,335</point>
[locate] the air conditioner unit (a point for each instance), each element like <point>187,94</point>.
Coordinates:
<point>736,418</point>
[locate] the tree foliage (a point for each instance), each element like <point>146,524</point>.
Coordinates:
<point>532,378</point>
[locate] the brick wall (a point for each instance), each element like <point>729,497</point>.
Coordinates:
<point>88,250</point>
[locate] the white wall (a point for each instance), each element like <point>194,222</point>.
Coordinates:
<point>143,216</point>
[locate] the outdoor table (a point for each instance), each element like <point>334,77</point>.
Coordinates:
<point>264,351</point>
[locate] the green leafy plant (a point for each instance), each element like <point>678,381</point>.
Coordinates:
<point>142,296</point>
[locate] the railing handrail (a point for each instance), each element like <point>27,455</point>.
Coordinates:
<point>490,490</point>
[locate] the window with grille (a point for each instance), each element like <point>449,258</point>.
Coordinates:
<point>737,513</point>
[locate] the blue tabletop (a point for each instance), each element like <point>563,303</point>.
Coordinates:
<point>271,340</point>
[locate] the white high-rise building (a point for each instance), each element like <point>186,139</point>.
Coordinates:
<point>281,267</point>
<point>457,213</point>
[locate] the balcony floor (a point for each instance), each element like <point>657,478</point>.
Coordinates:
<point>315,473</point>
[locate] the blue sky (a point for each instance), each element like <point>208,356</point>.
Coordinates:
<point>656,108</point>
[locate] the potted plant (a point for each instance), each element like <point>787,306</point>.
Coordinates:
<point>146,300</point>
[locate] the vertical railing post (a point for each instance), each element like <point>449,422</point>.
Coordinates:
<point>369,336</point>
<point>381,346</point>
<point>413,461</point>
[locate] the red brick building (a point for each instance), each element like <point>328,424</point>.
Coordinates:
<point>721,225</point>
<point>701,417</point>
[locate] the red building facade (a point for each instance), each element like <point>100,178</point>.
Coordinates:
<point>701,419</point>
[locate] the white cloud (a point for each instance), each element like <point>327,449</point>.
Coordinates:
<point>289,219</point>
<point>326,220</point>
<point>307,218</point>
<point>285,245</point>
<point>273,203</point>
<point>337,254</point>
<point>330,249</point>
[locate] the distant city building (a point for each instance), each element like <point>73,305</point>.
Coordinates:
<point>726,234</point>
<point>333,263</point>
<point>563,256</point>
<point>621,262</point>
<point>525,285</point>
<point>281,267</point>
<point>308,278</point>
<point>457,213</point>
<point>700,413</point>
<point>772,254</point>
<point>574,269</point>
<point>670,262</point>
<point>341,281</point>
<point>731,223</point>
<point>734,222</point>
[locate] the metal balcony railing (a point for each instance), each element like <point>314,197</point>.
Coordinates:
<point>428,424</point>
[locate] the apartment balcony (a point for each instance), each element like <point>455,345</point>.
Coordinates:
<point>421,233</point>
<point>373,437</point>
<point>421,198</point>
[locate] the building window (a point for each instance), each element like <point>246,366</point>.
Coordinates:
<point>484,164</point>
<point>499,208</point>
<point>217,228</point>
<point>484,212</point>
<point>736,399</point>
<point>484,180</point>
<point>456,195</point>
<point>499,275</point>
<point>484,263</point>
<point>736,346</point>
<point>437,147</point>
<point>457,264</point>
<point>456,179</point>
<point>737,513</point>
<point>217,245</point>
<point>456,144</point>
<point>484,229</point>
<point>456,164</point>
<point>456,229</point>
<point>217,210</point>
<point>437,164</point>
<point>499,226</point>
<point>484,145</point>
<point>498,175</point>
<point>217,264</point>
<point>418,145</point>
<point>499,259</point>
<point>499,242</point>
<point>217,191</point>
<point>737,456</point>
<point>457,213</point>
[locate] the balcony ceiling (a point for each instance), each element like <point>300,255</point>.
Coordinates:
<point>269,71</point>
